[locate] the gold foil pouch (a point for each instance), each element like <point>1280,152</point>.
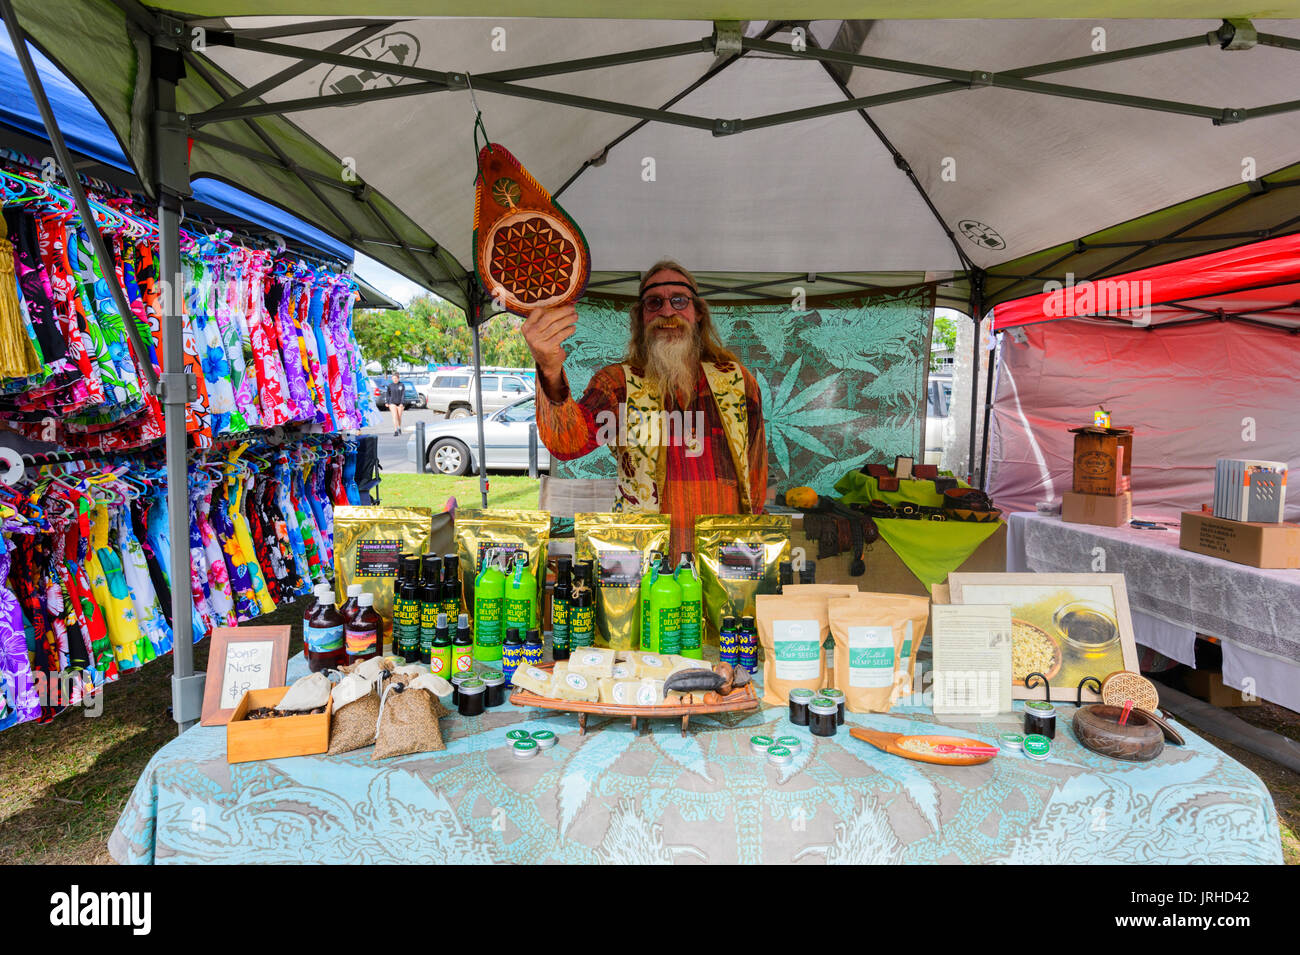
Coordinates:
<point>367,543</point>
<point>791,631</point>
<point>739,557</point>
<point>508,531</point>
<point>619,547</point>
<point>876,639</point>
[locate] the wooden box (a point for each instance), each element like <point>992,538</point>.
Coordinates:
<point>247,740</point>
<point>1103,460</point>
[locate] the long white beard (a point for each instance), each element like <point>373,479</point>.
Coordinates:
<point>672,364</point>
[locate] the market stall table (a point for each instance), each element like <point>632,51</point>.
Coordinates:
<point>1175,594</point>
<point>616,796</point>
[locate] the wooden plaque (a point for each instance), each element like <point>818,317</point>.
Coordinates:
<point>241,659</point>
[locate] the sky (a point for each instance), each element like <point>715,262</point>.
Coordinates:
<point>397,287</point>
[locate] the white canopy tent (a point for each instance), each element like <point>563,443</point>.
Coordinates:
<point>836,155</point>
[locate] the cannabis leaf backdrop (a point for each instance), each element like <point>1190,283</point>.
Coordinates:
<point>842,384</point>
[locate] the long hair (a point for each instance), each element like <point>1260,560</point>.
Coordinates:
<point>711,347</point>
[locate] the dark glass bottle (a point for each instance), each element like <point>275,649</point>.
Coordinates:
<point>363,635</point>
<point>323,636</point>
<point>512,652</point>
<point>406,622</point>
<point>533,648</point>
<point>350,606</point>
<point>451,586</point>
<point>431,572</point>
<point>747,648</point>
<point>561,601</point>
<point>429,604</point>
<point>581,610</point>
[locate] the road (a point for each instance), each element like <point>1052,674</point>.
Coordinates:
<point>392,449</point>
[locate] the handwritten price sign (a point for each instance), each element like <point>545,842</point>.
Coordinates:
<point>248,667</point>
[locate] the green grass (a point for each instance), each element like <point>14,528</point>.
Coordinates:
<point>67,781</point>
<point>516,491</point>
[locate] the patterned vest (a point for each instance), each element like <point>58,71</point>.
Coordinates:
<point>639,455</point>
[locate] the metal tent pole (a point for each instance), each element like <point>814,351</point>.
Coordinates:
<point>994,356</point>
<point>64,159</point>
<point>476,304</point>
<point>977,313</point>
<point>171,181</point>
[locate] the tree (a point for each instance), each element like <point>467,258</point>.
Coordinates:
<point>945,336</point>
<point>431,330</point>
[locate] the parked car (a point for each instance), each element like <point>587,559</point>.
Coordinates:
<point>938,404</point>
<point>453,445</point>
<point>452,392</point>
<point>411,399</point>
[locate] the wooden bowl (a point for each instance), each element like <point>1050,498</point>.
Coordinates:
<point>1057,657</point>
<point>1097,727</point>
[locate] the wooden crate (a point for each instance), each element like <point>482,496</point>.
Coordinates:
<point>1103,460</point>
<point>247,740</point>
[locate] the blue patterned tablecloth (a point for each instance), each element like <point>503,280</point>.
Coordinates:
<point>616,796</point>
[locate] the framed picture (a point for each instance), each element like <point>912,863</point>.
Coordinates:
<point>1065,626</point>
<point>242,659</point>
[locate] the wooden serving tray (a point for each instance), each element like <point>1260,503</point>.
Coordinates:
<point>743,699</point>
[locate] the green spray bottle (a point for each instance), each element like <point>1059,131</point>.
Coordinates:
<point>462,648</point>
<point>647,579</point>
<point>489,596</point>
<point>692,615</point>
<point>665,612</point>
<point>440,649</point>
<point>520,596</point>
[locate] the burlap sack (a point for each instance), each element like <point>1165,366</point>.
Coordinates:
<point>408,721</point>
<point>353,726</point>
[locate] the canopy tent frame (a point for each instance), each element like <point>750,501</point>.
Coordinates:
<point>503,83</point>
<point>167,35</point>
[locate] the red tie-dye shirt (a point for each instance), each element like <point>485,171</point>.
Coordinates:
<point>703,483</point>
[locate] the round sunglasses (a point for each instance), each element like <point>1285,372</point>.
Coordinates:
<point>655,302</point>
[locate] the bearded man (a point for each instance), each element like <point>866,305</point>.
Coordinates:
<point>709,454</point>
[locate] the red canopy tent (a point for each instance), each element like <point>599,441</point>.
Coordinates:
<point>1200,356</point>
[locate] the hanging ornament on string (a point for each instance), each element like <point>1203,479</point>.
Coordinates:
<point>528,252</point>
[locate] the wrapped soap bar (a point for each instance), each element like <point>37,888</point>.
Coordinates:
<point>593,661</point>
<point>686,663</point>
<point>578,687</point>
<point>534,680</point>
<point>624,671</point>
<point>625,692</point>
<point>652,666</point>
<point>650,693</point>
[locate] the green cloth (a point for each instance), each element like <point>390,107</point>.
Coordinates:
<point>858,488</point>
<point>933,549</point>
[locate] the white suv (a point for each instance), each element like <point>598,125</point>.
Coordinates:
<point>452,392</point>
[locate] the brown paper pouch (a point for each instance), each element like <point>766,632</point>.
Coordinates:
<point>791,631</point>
<point>873,656</point>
